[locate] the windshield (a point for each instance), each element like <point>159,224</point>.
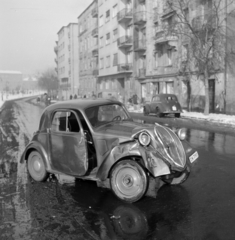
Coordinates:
<point>100,115</point>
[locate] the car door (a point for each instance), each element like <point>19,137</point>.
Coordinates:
<point>67,144</point>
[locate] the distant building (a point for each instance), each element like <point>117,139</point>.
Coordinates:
<point>10,80</point>
<point>66,50</point>
<point>30,83</point>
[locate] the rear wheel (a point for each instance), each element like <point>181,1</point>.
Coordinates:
<point>177,178</point>
<point>36,167</point>
<point>129,180</point>
<point>158,112</point>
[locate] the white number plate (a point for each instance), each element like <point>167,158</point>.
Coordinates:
<point>174,108</point>
<point>193,157</point>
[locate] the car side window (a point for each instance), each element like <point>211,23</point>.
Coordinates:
<point>156,99</point>
<point>64,122</point>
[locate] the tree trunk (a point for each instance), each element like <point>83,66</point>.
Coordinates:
<point>207,100</point>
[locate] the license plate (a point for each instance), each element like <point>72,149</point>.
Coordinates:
<point>174,108</point>
<point>193,157</point>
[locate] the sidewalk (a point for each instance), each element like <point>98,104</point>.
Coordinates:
<point>212,117</point>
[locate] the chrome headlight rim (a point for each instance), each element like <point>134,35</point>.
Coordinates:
<point>182,133</point>
<point>141,140</point>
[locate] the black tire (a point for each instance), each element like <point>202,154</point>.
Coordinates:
<point>178,178</point>
<point>177,115</point>
<point>158,112</point>
<point>36,167</point>
<point>146,112</point>
<point>129,180</point>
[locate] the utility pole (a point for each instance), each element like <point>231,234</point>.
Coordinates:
<point>225,58</point>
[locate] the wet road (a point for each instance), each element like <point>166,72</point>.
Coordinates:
<point>62,208</point>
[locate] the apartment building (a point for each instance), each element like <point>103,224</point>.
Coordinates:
<point>116,48</point>
<point>10,80</point>
<point>88,50</point>
<point>67,60</point>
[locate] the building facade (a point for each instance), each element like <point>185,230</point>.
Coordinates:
<point>67,60</point>
<point>116,48</point>
<point>88,50</point>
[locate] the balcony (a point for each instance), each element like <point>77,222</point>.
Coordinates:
<point>168,10</point>
<point>95,52</point>
<point>56,49</point>
<point>124,15</point>
<point>140,18</point>
<point>94,32</point>
<point>125,41</point>
<point>56,61</point>
<point>142,73</point>
<point>140,45</point>
<point>162,37</point>
<point>125,67</point>
<point>94,12</point>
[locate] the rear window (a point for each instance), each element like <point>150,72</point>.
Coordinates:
<point>171,98</point>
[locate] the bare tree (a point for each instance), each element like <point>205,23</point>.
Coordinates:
<point>48,80</point>
<point>202,26</point>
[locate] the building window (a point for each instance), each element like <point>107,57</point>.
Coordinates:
<point>101,42</point>
<point>101,22</point>
<point>169,57</point>
<point>115,32</point>
<point>108,61</point>
<point>114,11</point>
<point>101,63</point>
<point>115,59</point>
<point>107,38</point>
<point>107,16</point>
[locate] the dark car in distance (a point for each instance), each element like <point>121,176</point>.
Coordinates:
<point>98,140</point>
<point>163,104</point>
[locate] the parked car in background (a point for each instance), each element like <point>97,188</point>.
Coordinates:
<point>96,139</point>
<point>163,104</point>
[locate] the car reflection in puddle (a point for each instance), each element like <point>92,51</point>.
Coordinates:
<point>110,218</point>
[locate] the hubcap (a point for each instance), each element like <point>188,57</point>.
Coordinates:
<point>128,182</point>
<point>37,165</point>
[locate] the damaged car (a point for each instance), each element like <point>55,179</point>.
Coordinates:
<point>98,140</point>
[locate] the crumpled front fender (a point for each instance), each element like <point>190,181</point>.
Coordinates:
<point>150,159</point>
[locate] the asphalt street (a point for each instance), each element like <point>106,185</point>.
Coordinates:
<point>65,208</point>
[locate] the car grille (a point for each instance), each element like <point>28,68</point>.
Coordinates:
<point>170,147</point>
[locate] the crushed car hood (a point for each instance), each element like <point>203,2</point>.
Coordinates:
<point>164,140</point>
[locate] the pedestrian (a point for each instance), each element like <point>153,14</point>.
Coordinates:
<point>75,96</point>
<point>71,97</point>
<point>93,95</point>
<point>221,101</point>
<point>84,96</point>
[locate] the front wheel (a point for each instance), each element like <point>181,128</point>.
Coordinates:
<point>36,167</point>
<point>177,178</point>
<point>129,180</point>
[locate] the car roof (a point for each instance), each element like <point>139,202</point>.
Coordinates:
<point>80,103</point>
<point>164,95</point>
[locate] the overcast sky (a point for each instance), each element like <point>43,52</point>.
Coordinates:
<point>29,31</point>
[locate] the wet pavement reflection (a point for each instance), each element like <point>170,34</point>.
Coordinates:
<point>68,208</point>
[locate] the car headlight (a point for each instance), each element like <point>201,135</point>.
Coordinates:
<point>182,133</point>
<point>144,139</point>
